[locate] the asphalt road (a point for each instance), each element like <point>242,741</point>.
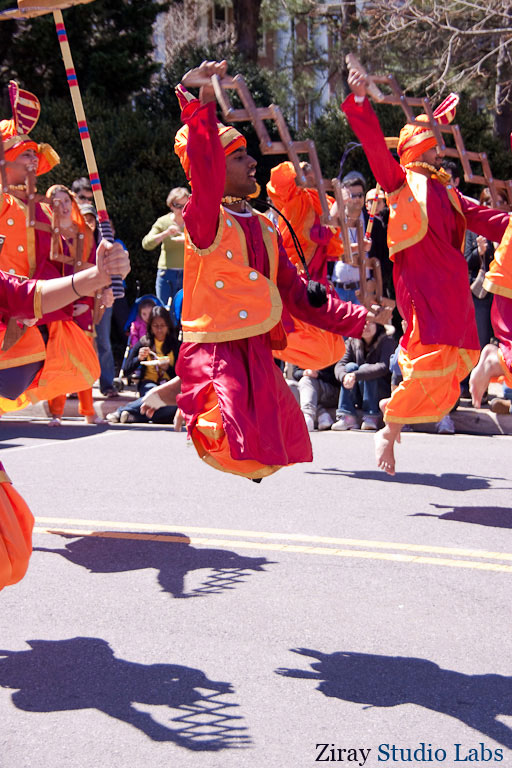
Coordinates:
<point>177,616</point>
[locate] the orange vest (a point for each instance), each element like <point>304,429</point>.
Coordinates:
<point>224,298</point>
<point>408,219</point>
<point>16,257</point>
<point>499,277</point>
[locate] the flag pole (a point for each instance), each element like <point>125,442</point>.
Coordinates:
<point>83,129</point>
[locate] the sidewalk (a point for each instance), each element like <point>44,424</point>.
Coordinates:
<point>102,406</point>
<point>467,420</point>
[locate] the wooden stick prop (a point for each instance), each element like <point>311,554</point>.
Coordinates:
<point>407,104</point>
<point>286,146</point>
<point>83,129</point>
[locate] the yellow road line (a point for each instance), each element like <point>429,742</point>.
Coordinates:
<point>431,549</point>
<point>292,548</point>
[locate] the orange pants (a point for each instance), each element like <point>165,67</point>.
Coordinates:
<point>85,404</point>
<point>16,523</point>
<point>211,443</point>
<point>507,373</point>
<point>431,377</point>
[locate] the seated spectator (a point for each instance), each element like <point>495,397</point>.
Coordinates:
<point>365,378</point>
<point>318,391</point>
<point>156,353</point>
<point>139,326</point>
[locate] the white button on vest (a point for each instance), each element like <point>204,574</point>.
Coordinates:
<point>229,254</point>
<point>395,205</point>
<point>10,222</point>
<point>229,222</point>
<point>219,284</point>
<point>411,199</point>
<point>12,272</point>
<point>242,314</point>
<point>20,248</point>
<point>404,227</point>
<point>253,275</point>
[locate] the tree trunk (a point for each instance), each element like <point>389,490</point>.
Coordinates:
<point>503,96</point>
<point>246,16</point>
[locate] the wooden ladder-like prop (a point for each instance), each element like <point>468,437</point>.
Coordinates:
<point>371,290</point>
<point>408,104</point>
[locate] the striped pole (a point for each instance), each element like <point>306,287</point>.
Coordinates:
<point>83,129</point>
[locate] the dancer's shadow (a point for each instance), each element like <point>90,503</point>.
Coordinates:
<point>83,673</point>
<point>41,431</point>
<point>495,517</point>
<point>448,481</point>
<point>387,681</point>
<point>171,554</point>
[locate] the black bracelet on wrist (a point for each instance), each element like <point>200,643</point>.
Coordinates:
<point>73,286</point>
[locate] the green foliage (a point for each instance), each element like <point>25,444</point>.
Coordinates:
<point>110,41</point>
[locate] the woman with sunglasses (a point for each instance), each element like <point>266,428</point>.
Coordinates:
<point>167,231</point>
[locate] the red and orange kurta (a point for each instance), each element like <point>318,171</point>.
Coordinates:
<point>425,235</point>
<point>240,412</point>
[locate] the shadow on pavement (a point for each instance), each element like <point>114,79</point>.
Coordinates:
<point>496,517</point>
<point>10,430</point>
<point>83,673</point>
<point>387,681</point>
<point>113,552</point>
<point>449,481</point>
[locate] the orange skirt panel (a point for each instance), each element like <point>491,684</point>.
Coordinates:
<point>16,523</point>
<point>311,347</point>
<point>28,349</point>
<point>212,445</point>
<point>431,377</point>
<point>71,365</point>
<point>507,373</point>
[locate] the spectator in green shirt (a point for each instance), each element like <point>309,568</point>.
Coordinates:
<point>167,232</point>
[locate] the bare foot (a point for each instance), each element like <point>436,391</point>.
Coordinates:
<point>488,366</point>
<point>385,440</point>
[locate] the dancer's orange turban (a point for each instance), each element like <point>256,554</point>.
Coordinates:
<point>15,138</point>
<point>414,139</point>
<point>230,138</point>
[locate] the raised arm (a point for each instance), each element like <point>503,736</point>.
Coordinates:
<point>366,126</point>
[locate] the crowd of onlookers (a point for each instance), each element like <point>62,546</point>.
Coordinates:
<point>343,396</point>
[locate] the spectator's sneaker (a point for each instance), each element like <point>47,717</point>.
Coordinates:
<point>346,421</point>
<point>126,417</point>
<point>445,426</point>
<point>113,418</point>
<point>500,405</point>
<point>325,421</point>
<point>310,424</point>
<point>370,423</point>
